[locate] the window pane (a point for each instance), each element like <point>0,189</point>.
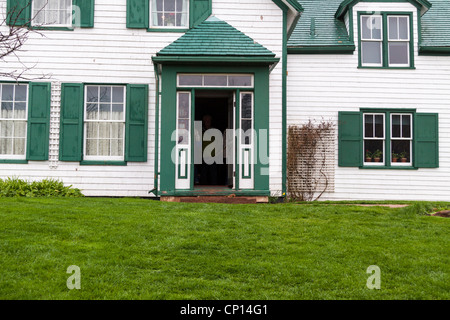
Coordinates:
<point>368,126</point>
<point>401,149</point>
<point>117,94</point>
<point>240,81</point>
<point>215,81</point>
<point>374,151</point>
<point>393,28</point>
<point>21,93</point>
<point>105,94</point>
<point>6,146</point>
<point>105,111</point>
<point>104,130</point>
<point>246,126</point>
<point>365,28</point>
<point>117,112</point>
<point>403,28</point>
<point>104,147</point>
<point>6,128</point>
<point>91,130</point>
<point>159,5</point>
<point>116,147</point>
<point>246,106</point>
<point>92,94</point>
<point>19,146</point>
<point>91,147</point>
<point>7,110</point>
<point>7,92</point>
<point>190,80</point>
<point>398,53</point>
<point>20,129</point>
<point>376,28</point>
<point>184,102</point>
<point>406,126</point>
<point>183,131</point>
<point>20,110</point>
<point>379,126</point>
<point>396,126</point>
<point>371,52</point>
<point>92,111</point>
<point>169,5</point>
<point>117,130</point>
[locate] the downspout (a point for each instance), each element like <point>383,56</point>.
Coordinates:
<point>284,107</point>
<point>156,164</point>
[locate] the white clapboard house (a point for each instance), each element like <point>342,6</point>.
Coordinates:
<point>113,94</point>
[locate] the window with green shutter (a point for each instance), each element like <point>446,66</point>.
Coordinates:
<point>24,121</point>
<point>388,138</point>
<point>104,124</point>
<point>51,13</point>
<point>167,15</point>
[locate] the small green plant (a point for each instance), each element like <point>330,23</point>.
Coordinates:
<point>368,154</point>
<point>377,153</point>
<point>403,154</point>
<point>15,187</point>
<point>395,156</point>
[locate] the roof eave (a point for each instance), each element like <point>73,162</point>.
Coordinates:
<point>343,7</point>
<point>322,49</point>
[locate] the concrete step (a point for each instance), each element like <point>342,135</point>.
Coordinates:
<point>217,199</point>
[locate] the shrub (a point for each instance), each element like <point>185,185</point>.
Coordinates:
<point>15,187</point>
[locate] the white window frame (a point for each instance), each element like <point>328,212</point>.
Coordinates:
<point>408,41</point>
<point>13,156</point>
<point>33,14</point>
<point>407,164</point>
<point>383,162</point>
<point>215,74</point>
<point>85,121</point>
<point>371,40</point>
<point>151,26</point>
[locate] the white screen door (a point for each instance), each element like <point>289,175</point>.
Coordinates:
<point>246,141</point>
<point>183,142</point>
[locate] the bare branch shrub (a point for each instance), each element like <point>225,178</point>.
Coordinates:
<point>306,160</point>
<point>14,32</point>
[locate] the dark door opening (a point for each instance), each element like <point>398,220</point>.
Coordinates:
<point>215,110</point>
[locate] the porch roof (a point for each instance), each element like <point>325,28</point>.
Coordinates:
<point>217,40</point>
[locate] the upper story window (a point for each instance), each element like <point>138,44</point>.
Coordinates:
<point>55,13</point>
<point>385,40</point>
<point>169,13</point>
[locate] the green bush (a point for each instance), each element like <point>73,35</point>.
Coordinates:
<point>15,187</point>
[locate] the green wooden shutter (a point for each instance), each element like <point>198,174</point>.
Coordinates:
<point>18,12</point>
<point>200,10</point>
<point>136,132</point>
<point>350,139</point>
<point>426,136</point>
<point>71,128</point>
<point>86,12</point>
<point>137,14</point>
<point>38,121</point>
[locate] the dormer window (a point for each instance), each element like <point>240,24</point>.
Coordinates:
<point>385,40</point>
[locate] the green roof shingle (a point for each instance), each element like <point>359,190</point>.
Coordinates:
<point>436,25</point>
<point>215,37</point>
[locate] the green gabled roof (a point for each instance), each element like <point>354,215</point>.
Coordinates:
<point>215,38</point>
<point>436,27</point>
<point>319,30</point>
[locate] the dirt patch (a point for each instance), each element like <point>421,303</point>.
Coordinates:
<point>445,214</point>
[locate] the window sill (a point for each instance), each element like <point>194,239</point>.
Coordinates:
<point>181,30</point>
<point>13,161</point>
<point>392,68</point>
<point>102,163</point>
<point>389,167</point>
<point>53,28</point>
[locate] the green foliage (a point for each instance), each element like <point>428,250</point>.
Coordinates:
<point>15,187</point>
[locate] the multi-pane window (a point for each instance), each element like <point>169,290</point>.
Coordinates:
<point>52,13</point>
<point>169,13</point>
<point>401,138</point>
<point>104,122</point>
<point>374,138</point>
<point>385,40</point>
<point>13,120</point>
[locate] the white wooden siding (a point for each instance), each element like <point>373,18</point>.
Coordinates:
<point>111,53</point>
<point>321,85</point>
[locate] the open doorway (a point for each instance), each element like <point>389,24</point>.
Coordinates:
<point>215,110</point>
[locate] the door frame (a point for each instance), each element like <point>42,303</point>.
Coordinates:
<point>169,91</point>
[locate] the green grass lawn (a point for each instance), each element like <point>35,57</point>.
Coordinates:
<point>143,249</point>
